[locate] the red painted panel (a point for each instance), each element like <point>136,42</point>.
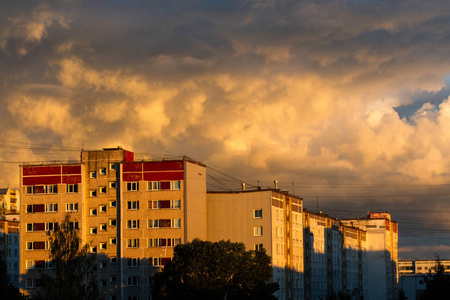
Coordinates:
<point>132,176</point>
<point>165,185</point>
<point>128,155</point>
<point>39,208</point>
<point>165,204</point>
<point>41,170</point>
<point>40,226</point>
<point>159,176</point>
<point>34,180</point>
<point>71,179</point>
<point>163,166</point>
<point>132,167</point>
<point>165,260</point>
<point>71,169</point>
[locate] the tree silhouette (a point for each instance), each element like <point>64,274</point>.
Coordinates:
<point>207,270</point>
<point>73,276</point>
<point>438,284</point>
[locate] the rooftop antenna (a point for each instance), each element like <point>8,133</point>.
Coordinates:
<point>293,188</point>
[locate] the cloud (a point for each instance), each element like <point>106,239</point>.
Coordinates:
<point>331,93</point>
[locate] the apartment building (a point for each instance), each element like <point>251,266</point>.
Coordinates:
<point>130,213</point>
<point>9,201</point>
<point>334,256</point>
<point>9,248</point>
<point>382,254</point>
<point>269,218</point>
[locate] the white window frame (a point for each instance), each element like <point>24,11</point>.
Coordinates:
<point>72,188</point>
<point>72,207</point>
<point>175,223</point>
<point>175,185</point>
<point>102,171</point>
<point>113,241</point>
<point>112,184</point>
<point>93,230</point>
<point>102,208</point>
<point>257,231</point>
<point>102,190</point>
<point>103,227</point>
<point>132,224</point>
<point>133,186</point>
<point>112,203</point>
<point>51,207</point>
<point>175,204</point>
<point>257,213</point>
<point>154,185</point>
<point>153,223</point>
<point>133,205</point>
<point>92,193</point>
<point>93,211</point>
<point>102,246</point>
<point>93,174</point>
<point>132,243</point>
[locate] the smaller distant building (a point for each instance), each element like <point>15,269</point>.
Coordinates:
<point>413,273</point>
<point>9,248</point>
<point>9,201</point>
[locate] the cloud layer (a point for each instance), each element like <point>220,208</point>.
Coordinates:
<point>324,96</point>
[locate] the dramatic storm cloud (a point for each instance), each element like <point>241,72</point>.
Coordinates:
<point>345,103</point>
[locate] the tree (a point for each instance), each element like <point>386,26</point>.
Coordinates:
<point>438,284</point>
<point>221,270</point>
<point>73,267</point>
<point>8,291</point>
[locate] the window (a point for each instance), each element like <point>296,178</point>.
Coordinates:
<point>30,190</point>
<point>102,190</point>
<point>258,246</point>
<point>154,204</point>
<point>93,212</point>
<point>132,224</point>
<point>51,226</point>
<point>176,223</point>
<point>103,283</point>
<point>102,208</point>
<point>72,188</point>
<point>132,243</point>
<point>133,262</point>
<point>112,184</point>
<point>93,249</point>
<point>112,222</point>
<point>164,242</point>
<point>102,227</point>
<point>153,223</point>
<point>102,171</point>
<point>30,264</point>
<point>132,205</point>
<point>93,174</point>
<point>51,189</point>
<point>112,203</point>
<point>93,230</point>
<point>73,225</point>
<point>53,207</point>
<point>258,231</point>
<point>175,185</point>
<point>154,261</point>
<point>113,278</point>
<point>103,246</point>
<point>113,241</point>
<point>71,207</point>
<point>30,227</point>
<point>257,213</point>
<point>133,281</point>
<point>113,259</point>
<point>175,204</point>
<point>132,186</point>
<point>93,193</point>
<point>112,166</point>
<point>154,186</point>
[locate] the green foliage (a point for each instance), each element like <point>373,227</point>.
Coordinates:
<point>73,276</point>
<point>438,284</point>
<point>8,291</point>
<point>345,295</point>
<point>206,270</point>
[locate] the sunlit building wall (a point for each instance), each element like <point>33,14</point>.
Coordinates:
<point>9,201</point>
<point>263,218</point>
<point>382,254</point>
<point>130,213</point>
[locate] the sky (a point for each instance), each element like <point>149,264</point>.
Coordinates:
<point>344,103</point>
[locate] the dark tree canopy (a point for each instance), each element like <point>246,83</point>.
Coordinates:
<point>7,290</point>
<point>207,270</point>
<point>73,277</point>
<point>438,284</point>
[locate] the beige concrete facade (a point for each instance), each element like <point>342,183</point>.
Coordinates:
<point>263,218</point>
<point>131,213</point>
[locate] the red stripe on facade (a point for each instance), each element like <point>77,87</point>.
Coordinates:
<point>71,169</point>
<point>132,177</point>
<point>35,180</point>
<point>132,167</point>
<point>160,176</point>
<point>163,166</point>
<point>71,179</point>
<point>128,155</point>
<point>41,170</point>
